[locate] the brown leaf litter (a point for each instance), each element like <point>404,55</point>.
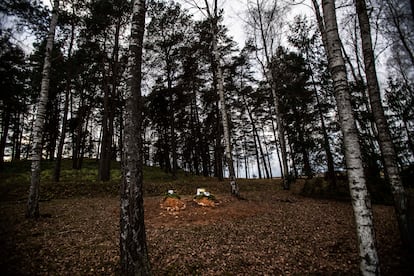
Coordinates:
<point>268,234</point>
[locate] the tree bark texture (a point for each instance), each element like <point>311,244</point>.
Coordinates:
<point>32,210</point>
<point>17,138</point>
<point>280,130</point>
<point>110,96</point>
<point>223,110</point>
<point>326,145</point>
<point>369,264</point>
<point>384,135</point>
<point>3,140</point>
<point>107,133</point>
<point>58,162</point>
<point>133,246</point>
<point>222,102</point>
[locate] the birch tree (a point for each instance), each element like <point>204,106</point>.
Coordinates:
<point>32,210</point>
<point>222,102</point>
<point>266,22</point>
<point>133,246</point>
<point>369,263</point>
<point>212,14</point>
<point>58,161</point>
<point>220,89</point>
<point>304,36</point>
<point>384,136</point>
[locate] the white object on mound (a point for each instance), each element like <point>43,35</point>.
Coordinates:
<point>201,191</point>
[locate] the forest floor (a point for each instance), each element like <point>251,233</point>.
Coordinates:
<point>271,232</point>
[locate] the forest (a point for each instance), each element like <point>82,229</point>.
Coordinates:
<point>126,100</point>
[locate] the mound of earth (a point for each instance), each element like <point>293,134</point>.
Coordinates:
<point>205,202</point>
<point>172,204</point>
<point>276,233</point>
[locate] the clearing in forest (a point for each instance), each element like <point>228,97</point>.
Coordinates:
<point>272,232</point>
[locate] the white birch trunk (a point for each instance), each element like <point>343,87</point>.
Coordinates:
<point>270,77</point>
<point>32,210</point>
<point>220,89</point>
<point>280,133</point>
<point>133,246</point>
<point>361,202</point>
<point>223,110</point>
<point>385,140</point>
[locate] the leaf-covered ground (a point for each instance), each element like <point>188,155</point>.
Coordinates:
<point>270,233</point>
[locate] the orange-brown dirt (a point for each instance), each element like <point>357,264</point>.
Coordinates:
<point>277,233</point>
<point>172,204</point>
<point>205,201</point>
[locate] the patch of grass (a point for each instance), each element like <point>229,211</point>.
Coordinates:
<point>321,188</point>
<point>15,181</point>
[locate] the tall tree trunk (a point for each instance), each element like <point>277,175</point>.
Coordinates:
<point>280,130</point>
<point>83,140</point>
<point>3,140</point>
<point>246,163</point>
<point>58,161</point>
<point>213,17</point>
<point>307,169</point>
<point>330,175</point>
<point>227,143</point>
<point>195,132</point>
<point>326,145</point>
<point>361,202</point>
<point>268,160</point>
<point>256,150</point>
<point>282,175</point>
<point>78,135</point>
<point>256,139</point>
<point>121,131</point>
<point>205,158</point>
<point>223,110</point>
<point>166,151</point>
<point>19,149</point>
<point>171,118</point>
<point>293,159</point>
<point>31,130</point>
<point>133,245</point>
<point>218,147</point>
<point>32,210</point>
<point>104,173</point>
<point>16,136</point>
<point>409,135</point>
<point>385,140</point>
<point>259,144</point>
<point>202,146</point>
<point>53,132</point>
<point>110,89</point>
<point>19,137</point>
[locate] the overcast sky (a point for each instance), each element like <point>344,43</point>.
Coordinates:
<point>235,15</point>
